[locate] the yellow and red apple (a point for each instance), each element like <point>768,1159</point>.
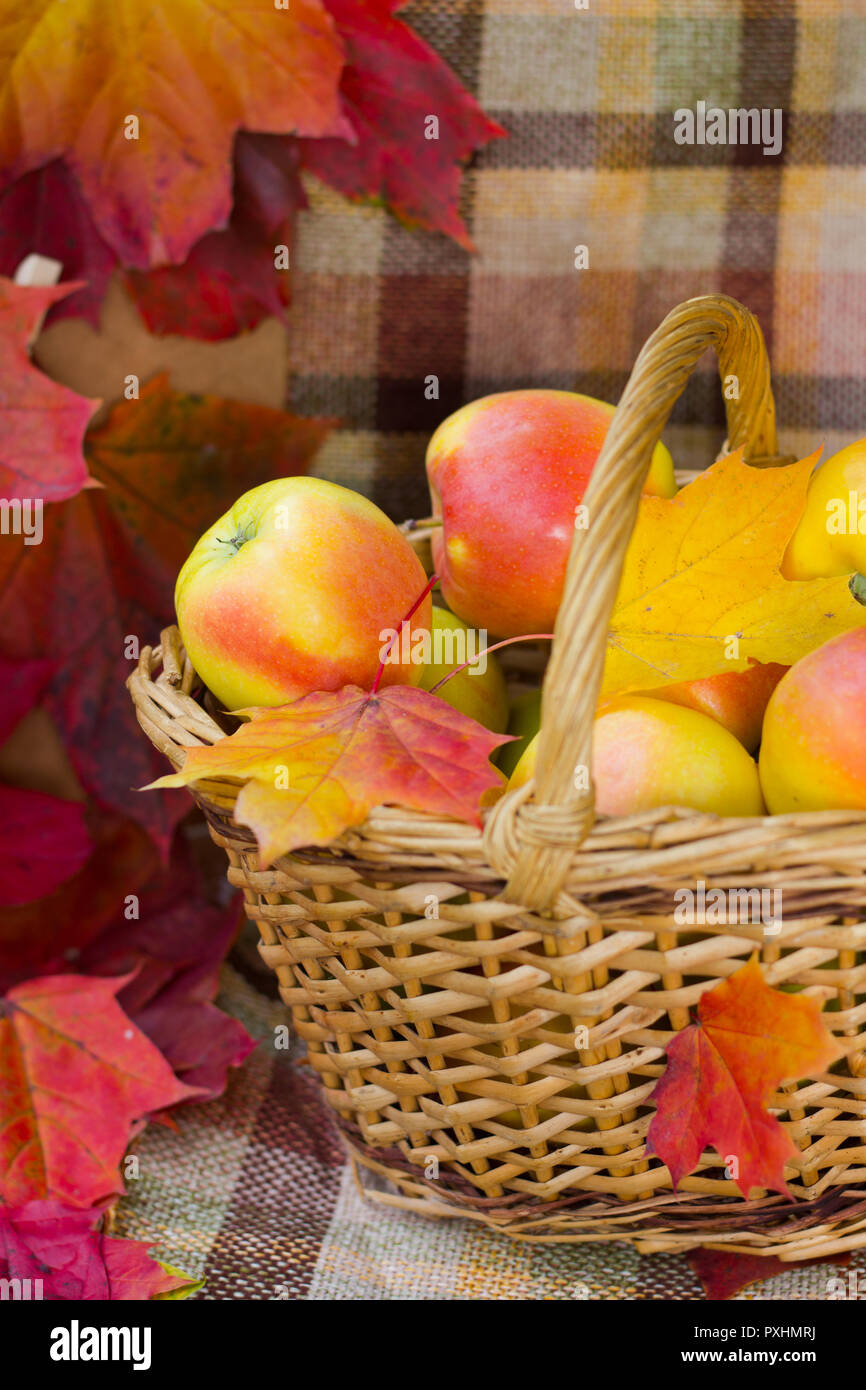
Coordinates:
<point>648,753</point>
<point>291,591</point>
<point>506,475</point>
<point>813,753</point>
<point>737,699</point>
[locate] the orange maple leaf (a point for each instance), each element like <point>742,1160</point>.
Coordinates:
<point>143,100</point>
<point>320,764</point>
<point>722,1071</point>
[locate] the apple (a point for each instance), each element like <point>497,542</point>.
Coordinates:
<point>648,753</point>
<point>479,693</point>
<point>830,538</point>
<point>291,591</point>
<point>813,754</point>
<point>506,474</point>
<point>524,721</point>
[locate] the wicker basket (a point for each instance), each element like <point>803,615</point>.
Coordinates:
<point>452,1038</point>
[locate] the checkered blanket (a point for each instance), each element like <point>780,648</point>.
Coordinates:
<point>253,1190</point>
<point>253,1193</point>
<point>588,98</point>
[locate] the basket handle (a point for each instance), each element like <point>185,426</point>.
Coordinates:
<point>531,843</point>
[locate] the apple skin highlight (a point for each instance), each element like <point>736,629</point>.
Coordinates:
<point>813,754</point>
<point>290,590</point>
<point>506,473</point>
<point>649,753</point>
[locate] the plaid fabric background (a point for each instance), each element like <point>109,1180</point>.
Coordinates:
<point>253,1190</point>
<point>587,97</point>
<point>253,1193</point>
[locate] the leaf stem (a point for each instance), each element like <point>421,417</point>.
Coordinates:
<point>507,642</point>
<point>434,579</point>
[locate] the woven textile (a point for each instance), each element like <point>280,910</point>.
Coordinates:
<point>253,1193</point>
<point>588,97</point>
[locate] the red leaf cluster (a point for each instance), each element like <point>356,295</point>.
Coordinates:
<point>110,948</point>
<point>204,261</point>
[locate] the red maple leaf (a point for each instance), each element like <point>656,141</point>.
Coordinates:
<point>65,1257</point>
<point>171,463</point>
<point>722,1071</point>
<point>724,1272</point>
<point>399,158</point>
<point>45,212</point>
<point>49,933</point>
<point>45,842</point>
<point>229,281</point>
<point>42,424</point>
<point>145,111</point>
<point>75,1076</point>
<point>171,959</point>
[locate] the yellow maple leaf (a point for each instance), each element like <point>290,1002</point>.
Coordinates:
<point>702,569</point>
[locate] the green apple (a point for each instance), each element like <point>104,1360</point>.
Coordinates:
<point>524,721</point>
<point>479,693</point>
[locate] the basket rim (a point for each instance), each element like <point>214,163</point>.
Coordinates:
<point>652,843</point>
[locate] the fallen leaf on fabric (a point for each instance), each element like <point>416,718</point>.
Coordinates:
<point>722,1071</point>
<point>323,762</point>
<point>143,112</point>
<point>42,423</point>
<point>184,1290</point>
<point>63,1255</point>
<point>703,568</point>
<point>723,1273</point>
<point>75,1076</point>
<point>399,159</point>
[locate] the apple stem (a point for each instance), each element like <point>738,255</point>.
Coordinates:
<point>507,642</point>
<point>434,579</point>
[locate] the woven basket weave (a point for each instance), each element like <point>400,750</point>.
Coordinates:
<point>515,1039</point>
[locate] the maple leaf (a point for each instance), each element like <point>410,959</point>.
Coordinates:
<point>186,1289</point>
<point>724,1273</point>
<point>229,282</point>
<point>123,914</point>
<point>191,75</point>
<point>75,1074</point>
<point>49,933</point>
<point>394,159</point>
<point>60,1247</point>
<point>42,424</point>
<point>171,959</point>
<point>703,567</point>
<point>23,684</point>
<point>170,463</point>
<point>44,212</point>
<point>45,842</point>
<point>323,762</point>
<point>721,1072</point>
